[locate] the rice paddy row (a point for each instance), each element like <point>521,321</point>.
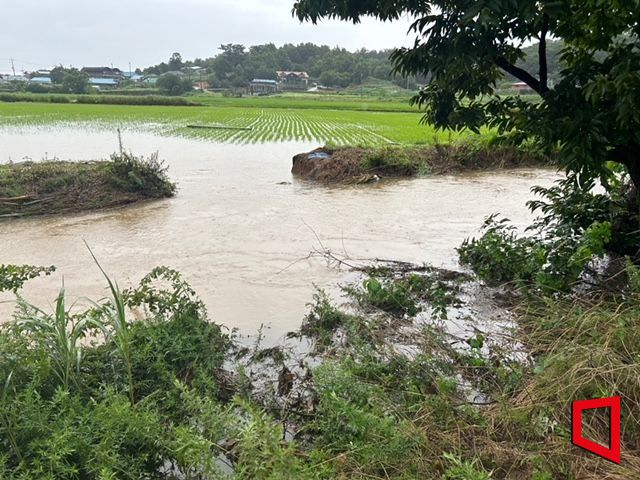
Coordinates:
<point>239,125</point>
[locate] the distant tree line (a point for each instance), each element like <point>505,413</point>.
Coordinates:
<point>236,65</point>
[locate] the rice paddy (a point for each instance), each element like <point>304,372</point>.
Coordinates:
<point>240,123</point>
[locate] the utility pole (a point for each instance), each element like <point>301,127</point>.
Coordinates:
<point>13,68</point>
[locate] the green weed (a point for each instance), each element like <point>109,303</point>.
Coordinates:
<point>13,277</point>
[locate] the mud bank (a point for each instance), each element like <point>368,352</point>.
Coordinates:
<point>364,165</point>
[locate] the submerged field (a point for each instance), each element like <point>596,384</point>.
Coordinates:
<point>246,120</point>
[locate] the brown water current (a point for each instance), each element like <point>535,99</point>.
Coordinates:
<point>237,234</point>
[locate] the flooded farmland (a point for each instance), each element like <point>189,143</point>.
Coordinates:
<point>241,228</point>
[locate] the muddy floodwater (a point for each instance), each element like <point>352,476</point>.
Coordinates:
<point>241,228</point>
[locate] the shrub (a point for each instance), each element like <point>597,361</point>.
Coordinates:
<point>70,437</point>
<point>323,320</point>
<point>576,226</point>
<point>147,176</point>
<point>500,256</point>
<point>391,297</point>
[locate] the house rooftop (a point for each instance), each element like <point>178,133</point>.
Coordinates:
<point>40,80</point>
<point>285,73</point>
<point>101,69</point>
<point>103,81</point>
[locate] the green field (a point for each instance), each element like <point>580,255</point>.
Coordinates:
<point>338,120</point>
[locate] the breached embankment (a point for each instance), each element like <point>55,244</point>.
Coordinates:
<point>364,165</point>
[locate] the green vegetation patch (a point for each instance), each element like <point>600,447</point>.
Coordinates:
<point>120,99</point>
<point>36,188</point>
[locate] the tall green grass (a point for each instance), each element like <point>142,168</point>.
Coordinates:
<point>61,335</point>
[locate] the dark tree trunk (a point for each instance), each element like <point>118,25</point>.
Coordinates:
<point>629,156</point>
<point>626,226</point>
<point>633,168</point>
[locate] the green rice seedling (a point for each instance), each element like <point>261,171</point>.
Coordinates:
<point>349,122</point>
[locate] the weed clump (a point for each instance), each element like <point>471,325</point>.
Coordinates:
<point>147,176</point>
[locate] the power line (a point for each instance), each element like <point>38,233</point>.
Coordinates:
<point>22,61</point>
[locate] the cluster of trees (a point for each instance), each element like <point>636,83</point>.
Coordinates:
<point>64,80</point>
<point>171,84</point>
<point>236,65</point>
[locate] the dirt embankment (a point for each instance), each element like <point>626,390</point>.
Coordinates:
<point>54,187</point>
<point>363,165</point>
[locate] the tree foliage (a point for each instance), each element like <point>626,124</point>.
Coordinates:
<point>75,81</point>
<point>175,62</point>
<point>466,47</point>
<point>57,74</point>
<point>171,84</point>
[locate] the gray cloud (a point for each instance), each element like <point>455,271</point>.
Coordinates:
<point>43,33</point>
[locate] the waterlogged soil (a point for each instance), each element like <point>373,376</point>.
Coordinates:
<point>241,228</point>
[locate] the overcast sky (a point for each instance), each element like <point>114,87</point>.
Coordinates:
<point>43,33</point>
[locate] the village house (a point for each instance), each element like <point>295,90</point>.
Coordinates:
<point>6,78</point>
<point>103,72</point>
<point>103,82</point>
<point>104,77</point>
<point>201,85</point>
<point>133,76</point>
<point>175,73</point>
<point>42,80</point>
<point>293,80</point>
<point>521,88</point>
<point>150,79</point>
<point>259,86</point>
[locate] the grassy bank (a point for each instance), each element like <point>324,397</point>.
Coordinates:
<point>389,390</point>
<point>52,187</point>
<point>386,413</point>
<point>361,165</point>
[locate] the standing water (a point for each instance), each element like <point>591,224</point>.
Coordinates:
<point>241,228</point>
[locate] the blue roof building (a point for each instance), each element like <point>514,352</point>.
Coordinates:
<point>41,80</point>
<point>261,86</point>
<point>103,82</point>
